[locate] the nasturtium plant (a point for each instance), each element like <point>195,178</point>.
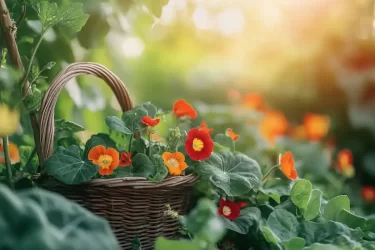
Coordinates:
<point>53,222</point>
<point>234,173</point>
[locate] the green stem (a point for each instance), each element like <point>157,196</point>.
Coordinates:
<point>270,171</point>
<point>7,161</point>
<point>30,158</point>
<point>234,146</point>
<point>29,67</point>
<point>149,144</point>
<point>130,142</point>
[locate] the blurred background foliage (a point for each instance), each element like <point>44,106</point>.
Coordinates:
<point>301,56</point>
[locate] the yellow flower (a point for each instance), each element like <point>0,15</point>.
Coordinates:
<point>9,120</point>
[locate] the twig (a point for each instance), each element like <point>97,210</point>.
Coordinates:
<point>22,17</point>
<point>7,27</point>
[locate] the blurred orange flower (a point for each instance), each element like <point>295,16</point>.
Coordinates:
<point>316,126</point>
<point>274,124</point>
<point>204,128</point>
<point>183,108</point>
<point>156,137</point>
<point>286,162</point>
<point>368,193</point>
<point>13,153</point>
<point>229,132</point>
<point>345,163</point>
<point>175,162</point>
<point>362,57</point>
<point>253,101</point>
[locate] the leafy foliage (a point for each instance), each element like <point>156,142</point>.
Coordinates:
<point>52,223</point>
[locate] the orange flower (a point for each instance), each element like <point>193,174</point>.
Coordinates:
<point>203,127</point>
<point>183,108</point>
<point>368,193</point>
<point>273,125</point>
<point>156,137</point>
<point>198,144</point>
<point>106,158</point>
<point>345,163</point>
<point>229,132</point>
<point>254,101</point>
<point>147,120</point>
<point>175,162</point>
<point>316,126</point>
<point>13,153</point>
<point>286,162</point>
<point>125,159</point>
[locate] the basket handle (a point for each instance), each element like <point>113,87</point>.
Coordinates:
<point>47,108</point>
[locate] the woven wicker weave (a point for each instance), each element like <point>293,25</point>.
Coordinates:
<point>133,206</point>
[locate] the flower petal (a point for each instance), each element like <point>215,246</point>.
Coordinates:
<point>96,152</point>
<point>115,157</point>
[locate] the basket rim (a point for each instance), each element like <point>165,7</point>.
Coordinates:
<point>135,182</point>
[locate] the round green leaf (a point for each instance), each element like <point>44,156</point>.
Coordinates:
<point>313,206</point>
<point>270,236</point>
<point>248,217</point>
<point>351,220</point>
<point>275,188</point>
<point>143,166</point>
<point>235,174</point>
<point>296,243</point>
<point>283,224</point>
<point>300,194</point>
<point>335,206</point>
<point>67,166</point>
<point>165,244</point>
<point>115,123</point>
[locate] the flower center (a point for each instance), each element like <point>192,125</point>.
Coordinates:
<point>226,211</point>
<point>197,144</point>
<point>105,161</point>
<point>173,162</point>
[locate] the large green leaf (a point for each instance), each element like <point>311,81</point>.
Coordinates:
<point>294,244</point>
<point>300,194</point>
<point>235,174</point>
<point>149,107</point>
<point>334,207</point>
<point>115,123</point>
<point>204,222</point>
<point>165,244</point>
<point>96,140</point>
<point>132,119</point>
<point>270,236</point>
<point>327,232</point>
<point>275,188</point>
<point>38,219</point>
<point>70,16</point>
<point>224,141</point>
<point>67,166</point>
<point>62,125</point>
<point>248,217</point>
<point>161,170</point>
<point>318,246</point>
<point>351,220</point>
<point>143,166</point>
<point>313,206</point>
<point>283,224</point>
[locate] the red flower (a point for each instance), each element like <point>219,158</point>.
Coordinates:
<point>229,209</point>
<point>345,163</point>
<point>204,128</point>
<point>287,166</point>
<point>125,159</point>
<point>198,144</point>
<point>231,134</point>
<point>183,108</point>
<point>368,193</point>
<point>147,120</point>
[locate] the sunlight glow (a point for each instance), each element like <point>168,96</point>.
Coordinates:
<point>132,47</point>
<point>201,18</point>
<point>230,21</point>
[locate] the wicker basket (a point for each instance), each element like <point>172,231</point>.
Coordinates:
<point>134,206</point>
